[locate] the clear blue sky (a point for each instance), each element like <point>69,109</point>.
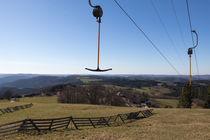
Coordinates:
<point>60,36</point>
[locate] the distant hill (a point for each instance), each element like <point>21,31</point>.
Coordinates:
<point>18,90</point>
<point>27,83</point>
<point>166,78</point>
<point>42,81</point>
<point>13,77</point>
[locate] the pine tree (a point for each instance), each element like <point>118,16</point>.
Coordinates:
<point>207,99</point>
<point>185,98</point>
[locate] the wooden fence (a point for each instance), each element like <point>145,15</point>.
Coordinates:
<point>62,123</point>
<point>16,108</point>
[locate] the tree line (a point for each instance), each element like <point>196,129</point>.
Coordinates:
<point>100,95</point>
<point>8,95</point>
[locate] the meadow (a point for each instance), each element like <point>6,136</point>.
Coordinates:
<point>164,124</point>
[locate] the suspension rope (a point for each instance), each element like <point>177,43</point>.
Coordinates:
<point>178,23</point>
<point>166,31</point>
<point>147,37</point>
<point>196,62</point>
<point>189,18</point>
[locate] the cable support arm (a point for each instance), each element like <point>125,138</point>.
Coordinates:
<point>91,4</point>
<point>196,39</point>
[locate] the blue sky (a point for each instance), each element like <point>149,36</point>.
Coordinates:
<point>60,37</point>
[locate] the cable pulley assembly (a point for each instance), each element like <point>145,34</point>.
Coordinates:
<point>98,13</point>
<point>190,50</point>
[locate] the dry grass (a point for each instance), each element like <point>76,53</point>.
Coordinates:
<point>164,124</point>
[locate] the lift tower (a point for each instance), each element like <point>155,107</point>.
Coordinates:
<point>190,52</point>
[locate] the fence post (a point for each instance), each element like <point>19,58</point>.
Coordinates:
<point>121,118</point>
<point>104,120</point>
<point>74,123</point>
<point>51,124</point>
<point>34,125</point>
<point>109,119</point>
<point>149,112</point>
<point>22,125</point>
<point>116,118</point>
<point>70,118</point>
<point>142,112</point>
<point>92,123</point>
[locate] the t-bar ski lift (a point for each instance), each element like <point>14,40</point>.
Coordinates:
<point>97,12</point>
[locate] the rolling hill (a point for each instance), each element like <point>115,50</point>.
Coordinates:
<point>14,77</point>
<point>42,81</point>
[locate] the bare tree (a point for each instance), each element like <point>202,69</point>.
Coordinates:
<point>7,95</point>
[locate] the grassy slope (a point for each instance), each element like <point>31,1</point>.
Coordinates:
<point>167,102</point>
<point>165,124</point>
<point>46,107</point>
<point>156,90</point>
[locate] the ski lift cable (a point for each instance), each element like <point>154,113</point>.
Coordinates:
<point>190,23</point>
<point>166,31</point>
<point>147,37</point>
<point>178,23</point>
<point>196,62</point>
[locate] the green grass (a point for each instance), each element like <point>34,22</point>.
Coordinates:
<point>179,124</point>
<point>156,90</point>
<point>87,80</point>
<point>166,102</point>
<point>52,99</point>
<point>47,107</point>
<point>3,101</point>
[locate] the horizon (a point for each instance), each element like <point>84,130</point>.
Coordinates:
<point>95,74</point>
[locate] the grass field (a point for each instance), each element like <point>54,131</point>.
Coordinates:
<point>162,103</point>
<point>156,90</point>
<point>164,124</point>
<point>87,80</point>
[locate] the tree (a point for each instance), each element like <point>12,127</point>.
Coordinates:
<point>73,94</point>
<point>95,92</point>
<point>207,99</point>
<point>7,95</point>
<point>185,98</point>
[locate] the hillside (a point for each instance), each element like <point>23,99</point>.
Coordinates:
<point>153,87</point>
<point>178,124</point>
<point>18,90</point>
<point>42,81</point>
<point>15,77</point>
